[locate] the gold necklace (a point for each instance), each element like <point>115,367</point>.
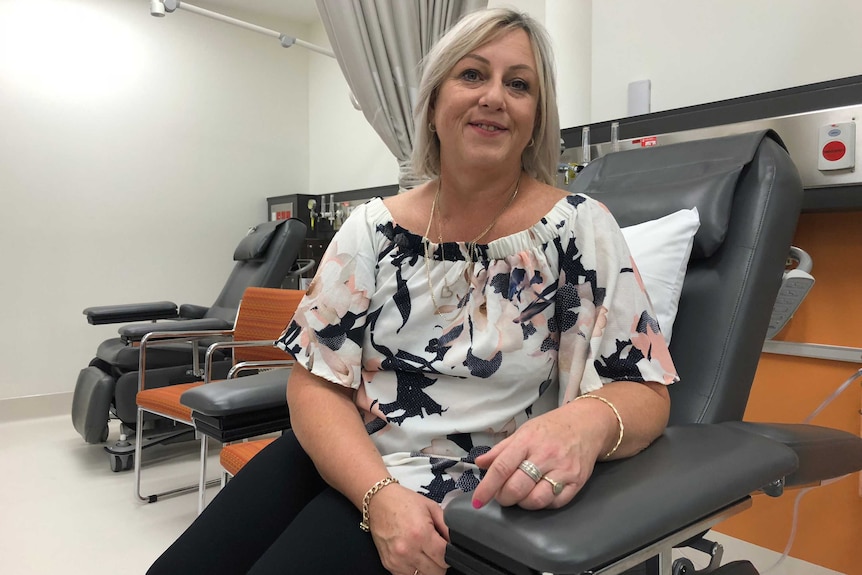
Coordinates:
<point>472,246</point>
<point>427,245</point>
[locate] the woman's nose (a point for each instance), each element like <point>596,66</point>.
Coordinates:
<point>492,97</point>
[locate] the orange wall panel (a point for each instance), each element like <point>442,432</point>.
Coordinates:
<point>788,389</point>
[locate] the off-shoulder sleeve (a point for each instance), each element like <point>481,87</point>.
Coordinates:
<point>607,327</point>
<point>326,333</point>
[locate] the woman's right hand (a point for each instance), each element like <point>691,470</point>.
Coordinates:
<point>409,531</point>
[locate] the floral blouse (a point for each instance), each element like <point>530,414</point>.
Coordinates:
<point>525,324</point>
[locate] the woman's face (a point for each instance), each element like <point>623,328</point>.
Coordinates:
<point>485,109</point>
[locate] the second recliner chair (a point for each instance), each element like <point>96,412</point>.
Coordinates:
<point>107,387</point>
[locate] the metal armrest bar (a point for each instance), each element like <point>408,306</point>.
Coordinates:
<point>170,337</point>
<point>232,344</point>
<point>249,365</point>
<point>229,345</point>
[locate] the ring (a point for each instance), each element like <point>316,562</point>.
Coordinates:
<point>530,469</point>
<point>557,485</point>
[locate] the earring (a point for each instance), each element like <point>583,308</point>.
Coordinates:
<point>431,127</point>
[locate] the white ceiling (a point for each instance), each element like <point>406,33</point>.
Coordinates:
<point>304,11</point>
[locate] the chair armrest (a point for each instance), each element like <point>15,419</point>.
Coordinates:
<point>192,311</point>
<point>157,337</point>
<point>257,365</point>
<point>257,392</point>
<point>688,473</point>
<point>232,344</point>
<point>124,313</point>
<point>824,453</point>
<point>136,331</point>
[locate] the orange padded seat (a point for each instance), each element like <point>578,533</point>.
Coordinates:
<point>166,400</point>
<point>235,455</point>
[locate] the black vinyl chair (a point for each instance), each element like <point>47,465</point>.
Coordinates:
<point>706,465</point>
<point>704,468</point>
<point>264,257</point>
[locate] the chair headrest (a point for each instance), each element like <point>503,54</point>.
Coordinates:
<point>253,245</point>
<point>649,183</point>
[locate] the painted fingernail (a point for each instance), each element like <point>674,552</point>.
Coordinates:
<point>477,504</point>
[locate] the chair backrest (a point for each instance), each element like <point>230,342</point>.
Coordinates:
<point>263,314</point>
<point>749,195</point>
<point>263,259</point>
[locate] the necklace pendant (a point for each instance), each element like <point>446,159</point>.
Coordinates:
<point>446,291</point>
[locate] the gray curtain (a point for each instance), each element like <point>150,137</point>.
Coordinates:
<point>379,45</point>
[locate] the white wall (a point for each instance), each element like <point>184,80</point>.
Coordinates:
<point>130,145</point>
<point>709,50</point>
<point>134,154</point>
<point>569,24</point>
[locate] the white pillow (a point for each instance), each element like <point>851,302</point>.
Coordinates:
<point>661,248</point>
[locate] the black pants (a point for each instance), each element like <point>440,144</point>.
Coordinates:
<point>276,516</point>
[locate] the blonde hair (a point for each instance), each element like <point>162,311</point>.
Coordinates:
<point>476,29</point>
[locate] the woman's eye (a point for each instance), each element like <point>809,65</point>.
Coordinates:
<point>470,75</point>
<point>520,85</point>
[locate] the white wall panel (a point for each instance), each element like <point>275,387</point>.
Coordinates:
<point>134,154</point>
<point>702,51</point>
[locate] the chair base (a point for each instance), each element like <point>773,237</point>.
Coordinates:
<point>122,453</point>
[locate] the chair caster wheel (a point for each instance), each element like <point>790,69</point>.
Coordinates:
<point>683,566</point>
<point>122,462</point>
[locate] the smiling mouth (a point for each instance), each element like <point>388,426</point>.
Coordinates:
<point>488,127</point>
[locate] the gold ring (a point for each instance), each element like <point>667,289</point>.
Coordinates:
<point>557,485</point>
<point>531,469</point>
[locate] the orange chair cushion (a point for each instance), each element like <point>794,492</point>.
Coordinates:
<point>234,456</point>
<point>166,400</point>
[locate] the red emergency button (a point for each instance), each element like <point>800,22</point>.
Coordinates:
<point>834,150</point>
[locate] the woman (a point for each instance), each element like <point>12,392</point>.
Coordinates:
<point>465,319</point>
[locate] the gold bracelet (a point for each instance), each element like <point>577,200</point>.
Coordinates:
<point>367,499</point>
<point>617,413</point>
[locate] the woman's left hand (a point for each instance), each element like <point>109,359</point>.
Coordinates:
<point>562,445</point>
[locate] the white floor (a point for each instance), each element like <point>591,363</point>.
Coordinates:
<point>62,510</point>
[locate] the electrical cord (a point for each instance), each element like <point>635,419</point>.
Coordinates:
<point>843,387</point>
<point>835,394</point>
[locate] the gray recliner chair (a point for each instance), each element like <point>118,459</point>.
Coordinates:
<point>704,468</point>
<point>107,387</point>
<point>631,513</point>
